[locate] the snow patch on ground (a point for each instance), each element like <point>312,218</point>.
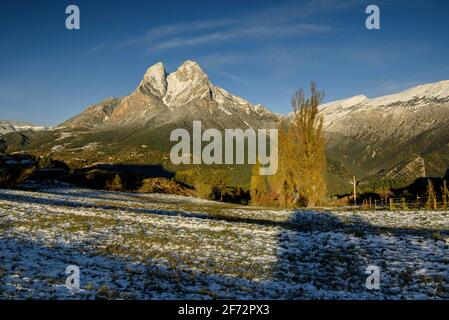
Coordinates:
<point>138,246</point>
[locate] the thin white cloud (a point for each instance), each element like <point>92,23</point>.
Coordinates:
<point>175,29</point>
<point>277,21</point>
<point>303,9</point>
<point>195,40</point>
<point>256,32</point>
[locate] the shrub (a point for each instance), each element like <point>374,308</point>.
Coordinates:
<point>115,183</point>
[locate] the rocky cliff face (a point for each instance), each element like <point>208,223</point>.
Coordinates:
<point>95,115</point>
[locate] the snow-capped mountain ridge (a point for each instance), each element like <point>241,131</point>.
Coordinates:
<point>345,103</point>
<point>401,136</point>
<point>398,115</point>
<point>15,126</point>
<point>438,90</point>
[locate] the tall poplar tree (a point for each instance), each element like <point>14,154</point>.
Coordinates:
<point>301,177</point>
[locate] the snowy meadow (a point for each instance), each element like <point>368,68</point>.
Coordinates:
<point>153,246</point>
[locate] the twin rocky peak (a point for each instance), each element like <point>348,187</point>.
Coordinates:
<point>163,98</point>
<point>184,85</point>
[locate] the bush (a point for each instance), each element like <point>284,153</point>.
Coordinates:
<point>44,162</point>
<point>14,170</point>
<point>163,185</point>
<point>115,184</point>
<point>203,190</point>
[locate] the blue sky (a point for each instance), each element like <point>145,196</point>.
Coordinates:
<point>261,50</point>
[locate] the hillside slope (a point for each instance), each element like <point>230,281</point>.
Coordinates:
<point>399,137</point>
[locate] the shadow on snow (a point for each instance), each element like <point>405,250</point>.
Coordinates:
<point>318,256</point>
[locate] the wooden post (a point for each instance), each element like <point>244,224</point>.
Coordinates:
<point>370,202</point>
<point>391,204</point>
<point>375,204</point>
<point>445,194</point>
<point>355,191</point>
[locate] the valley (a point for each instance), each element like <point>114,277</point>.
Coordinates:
<point>386,142</point>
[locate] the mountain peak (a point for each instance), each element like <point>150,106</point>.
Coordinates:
<point>190,69</point>
<point>437,90</point>
<point>345,103</point>
<point>189,63</point>
<point>163,98</point>
<point>186,84</point>
<point>154,81</point>
<point>156,70</point>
